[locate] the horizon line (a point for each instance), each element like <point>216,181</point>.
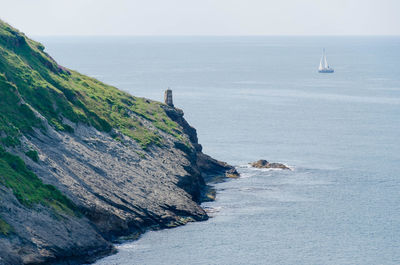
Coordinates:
<point>213,35</point>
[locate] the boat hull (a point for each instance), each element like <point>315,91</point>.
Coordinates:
<point>326,71</point>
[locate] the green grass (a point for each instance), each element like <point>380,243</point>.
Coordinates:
<point>33,154</point>
<point>15,116</point>
<point>27,72</point>
<point>5,229</point>
<point>28,188</point>
<point>31,81</point>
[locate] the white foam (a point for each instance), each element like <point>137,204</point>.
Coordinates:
<point>244,175</point>
<point>212,210</point>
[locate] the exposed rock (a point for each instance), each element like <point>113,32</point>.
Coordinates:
<point>121,190</point>
<point>265,164</point>
<point>209,167</point>
<point>38,236</point>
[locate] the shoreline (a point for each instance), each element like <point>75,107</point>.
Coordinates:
<point>204,167</point>
<point>92,256</point>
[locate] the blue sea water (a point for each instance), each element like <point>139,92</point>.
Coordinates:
<point>261,97</point>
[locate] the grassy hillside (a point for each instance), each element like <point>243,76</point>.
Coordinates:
<point>28,73</point>
<point>31,81</point>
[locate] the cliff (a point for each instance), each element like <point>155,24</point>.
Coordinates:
<point>83,163</point>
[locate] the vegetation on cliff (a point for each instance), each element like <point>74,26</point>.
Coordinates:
<point>28,188</point>
<point>5,229</point>
<point>33,86</point>
<point>30,78</point>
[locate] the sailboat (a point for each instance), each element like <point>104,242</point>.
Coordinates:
<point>324,66</point>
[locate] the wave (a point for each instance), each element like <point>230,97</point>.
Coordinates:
<point>212,210</point>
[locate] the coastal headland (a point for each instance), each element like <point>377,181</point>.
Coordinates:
<point>83,164</point>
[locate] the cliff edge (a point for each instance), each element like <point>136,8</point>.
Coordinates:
<point>83,163</point>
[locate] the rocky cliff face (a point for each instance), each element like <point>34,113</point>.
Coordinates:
<point>82,163</point>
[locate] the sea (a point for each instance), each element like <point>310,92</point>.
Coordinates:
<point>254,98</point>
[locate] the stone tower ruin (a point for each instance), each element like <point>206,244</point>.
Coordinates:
<point>168,97</point>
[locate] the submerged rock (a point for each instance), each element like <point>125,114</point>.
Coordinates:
<point>265,164</point>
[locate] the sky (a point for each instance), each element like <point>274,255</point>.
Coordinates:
<point>203,17</point>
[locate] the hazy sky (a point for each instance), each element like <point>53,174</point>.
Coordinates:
<point>203,17</point>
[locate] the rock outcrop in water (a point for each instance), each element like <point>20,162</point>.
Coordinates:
<point>265,164</point>
<point>82,163</point>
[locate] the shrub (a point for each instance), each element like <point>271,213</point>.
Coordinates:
<point>33,154</point>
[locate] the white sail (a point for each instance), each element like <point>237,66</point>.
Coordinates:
<point>320,63</point>
<point>323,65</point>
<point>325,62</point>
